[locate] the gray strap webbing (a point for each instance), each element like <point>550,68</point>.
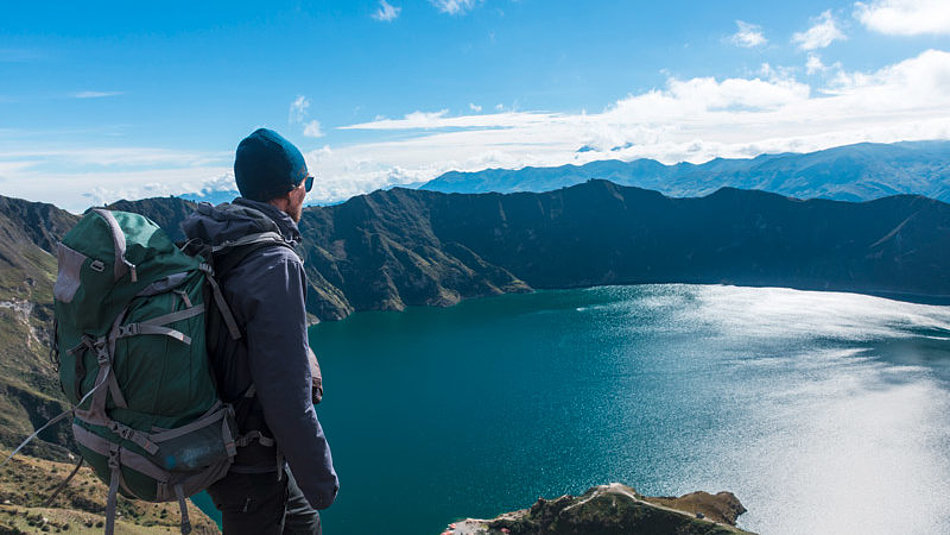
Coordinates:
<point>135,329</point>
<point>40,430</point>
<point>229,444</point>
<point>250,239</point>
<point>49,501</point>
<point>251,436</point>
<point>131,459</point>
<point>116,392</point>
<point>118,238</point>
<point>157,325</point>
<point>97,407</point>
<point>221,303</point>
<point>184,297</point>
<point>185,521</point>
<point>185,429</point>
<point>115,473</point>
<point>140,438</point>
<point>114,389</point>
<point>175,316</point>
<point>163,285</point>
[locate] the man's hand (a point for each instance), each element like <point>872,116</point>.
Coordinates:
<point>316,387</point>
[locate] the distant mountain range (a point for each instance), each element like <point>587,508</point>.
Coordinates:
<point>861,172</point>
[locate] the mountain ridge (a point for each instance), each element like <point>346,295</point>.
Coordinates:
<point>857,172</point>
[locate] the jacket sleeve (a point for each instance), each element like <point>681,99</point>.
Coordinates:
<point>278,357</point>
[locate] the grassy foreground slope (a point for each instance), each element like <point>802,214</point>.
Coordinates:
<point>27,482</point>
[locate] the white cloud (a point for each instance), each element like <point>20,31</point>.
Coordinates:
<point>97,94</point>
<point>76,191</point>
<point>748,35</point>
<point>312,129</point>
<point>455,7</point>
<point>93,158</point>
<point>474,107</point>
<point>687,120</point>
<point>822,33</point>
<point>414,120</point>
<point>386,12</point>
<point>905,17</point>
<point>298,109</point>
<point>299,112</point>
<point>814,64</point>
<point>692,119</point>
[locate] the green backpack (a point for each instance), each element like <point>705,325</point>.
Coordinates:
<point>130,313</point>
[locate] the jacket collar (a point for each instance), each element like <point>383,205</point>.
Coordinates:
<point>288,228</point>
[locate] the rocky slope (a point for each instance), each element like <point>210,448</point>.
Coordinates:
<point>26,483</point>
<point>615,509</point>
<point>29,384</point>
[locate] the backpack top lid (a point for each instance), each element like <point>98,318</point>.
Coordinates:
<point>108,258</point>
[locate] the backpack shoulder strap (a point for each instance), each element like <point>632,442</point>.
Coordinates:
<point>229,255</point>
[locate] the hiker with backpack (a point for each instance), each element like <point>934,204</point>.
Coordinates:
<point>268,374</point>
<point>187,366</point>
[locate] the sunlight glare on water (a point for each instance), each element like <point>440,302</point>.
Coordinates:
<point>844,443</point>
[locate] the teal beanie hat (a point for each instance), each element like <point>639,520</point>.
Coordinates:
<point>267,166</point>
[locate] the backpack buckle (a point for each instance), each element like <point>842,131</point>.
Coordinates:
<point>127,330</point>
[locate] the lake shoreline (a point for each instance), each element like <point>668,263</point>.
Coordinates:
<point>901,297</point>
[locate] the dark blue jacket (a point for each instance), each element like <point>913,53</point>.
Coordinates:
<point>266,292</point>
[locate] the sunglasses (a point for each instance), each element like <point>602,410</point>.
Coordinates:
<point>307,183</point>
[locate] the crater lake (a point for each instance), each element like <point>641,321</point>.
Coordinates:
<point>823,412</point>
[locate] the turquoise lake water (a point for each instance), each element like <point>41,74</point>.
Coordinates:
<point>823,412</point>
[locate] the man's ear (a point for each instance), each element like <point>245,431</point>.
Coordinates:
<point>282,202</point>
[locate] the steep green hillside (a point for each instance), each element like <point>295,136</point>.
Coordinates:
<point>29,384</point>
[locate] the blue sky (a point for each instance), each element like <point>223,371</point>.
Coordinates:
<point>104,100</point>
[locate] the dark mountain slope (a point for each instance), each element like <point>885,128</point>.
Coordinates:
<point>601,233</point>
<point>397,248</point>
<point>29,385</point>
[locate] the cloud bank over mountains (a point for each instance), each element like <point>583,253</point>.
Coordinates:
<point>687,120</point>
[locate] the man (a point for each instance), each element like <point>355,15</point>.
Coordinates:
<point>266,374</point>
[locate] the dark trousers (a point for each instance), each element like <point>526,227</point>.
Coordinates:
<point>260,504</point>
